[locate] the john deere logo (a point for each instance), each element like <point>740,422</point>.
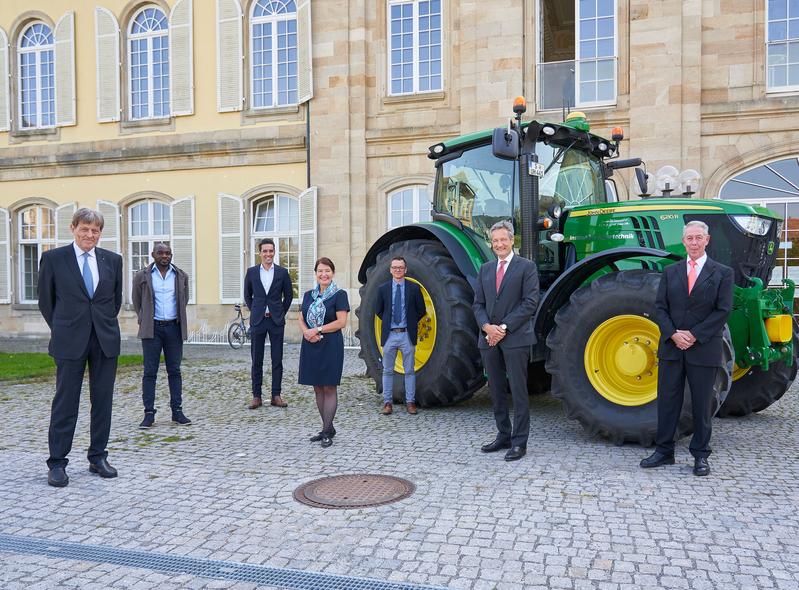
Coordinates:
<point>770,248</point>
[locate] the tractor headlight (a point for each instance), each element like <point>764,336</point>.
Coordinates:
<point>752,224</point>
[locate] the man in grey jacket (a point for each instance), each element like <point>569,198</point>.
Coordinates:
<point>160,294</point>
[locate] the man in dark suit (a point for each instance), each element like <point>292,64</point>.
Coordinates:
<point>268,295</point>
<point>693,302</point>
<point>505,299</point>
<point>80,294</point>
<point>400,308</point>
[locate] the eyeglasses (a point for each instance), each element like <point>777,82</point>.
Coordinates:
<point>397,268</point>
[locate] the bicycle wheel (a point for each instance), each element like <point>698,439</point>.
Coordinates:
<point>236,335</point>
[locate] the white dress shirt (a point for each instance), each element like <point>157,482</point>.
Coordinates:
<point>267,276</point>
<point>92,263</point>
<point>507,262</point>
<point>700,264</point>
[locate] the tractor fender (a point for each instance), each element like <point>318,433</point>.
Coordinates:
<point>560,291</point>
<point>465,262</point>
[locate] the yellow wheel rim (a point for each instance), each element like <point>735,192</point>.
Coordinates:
<point>426,339</point>
<point>621,360</point>
<point>738,372</point>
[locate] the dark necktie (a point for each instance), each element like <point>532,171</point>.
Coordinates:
<point>396,308</point>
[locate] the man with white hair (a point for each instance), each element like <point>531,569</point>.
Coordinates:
<point>692,306</point>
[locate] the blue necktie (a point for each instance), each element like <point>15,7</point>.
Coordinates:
<point>396,308</point>
<point>87,275</point>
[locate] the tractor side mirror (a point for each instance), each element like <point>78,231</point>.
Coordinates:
<point>643,182</point>
<point>505,143</point>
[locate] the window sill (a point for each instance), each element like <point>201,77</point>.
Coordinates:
<point>592,108</point>
<point>25,307</point>
<point>434,96</point>
<point>127,127</point>
<point>781,92</point>
<point>22,135</point>
<point>289,112</point>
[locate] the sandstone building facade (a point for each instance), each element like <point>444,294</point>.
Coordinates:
<point>212,123</point>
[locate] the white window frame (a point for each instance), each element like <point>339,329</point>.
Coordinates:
<point>150,237</point>
<point>273,20</point>
<point>421,200</point>
<point>38,241</point>
<point>415,32</point>
<point>148,38</point>
<point>37,51</point>
<point>579,60</point>
<point>787,42</point>
<point>275,234</point>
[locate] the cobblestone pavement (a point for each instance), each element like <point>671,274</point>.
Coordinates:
<point>575,513</point>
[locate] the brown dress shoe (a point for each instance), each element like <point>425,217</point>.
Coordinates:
<point>255,403</point>
<point>387,409</point>
<point>411,408</point>
<point>278,402</point>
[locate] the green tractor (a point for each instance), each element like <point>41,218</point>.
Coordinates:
<point>599,262</point>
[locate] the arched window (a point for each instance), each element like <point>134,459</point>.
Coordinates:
<point>37,234</point>
<point>36,77</point>
<point>408,205</point>
<point>148,63</point>
<point>277,217</point>
<point>273,45</point>
<point>149,222</point>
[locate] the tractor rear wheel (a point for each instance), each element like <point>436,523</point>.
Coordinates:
<point>603,359</point>
<point>755,390</point>
<point>447,362</point>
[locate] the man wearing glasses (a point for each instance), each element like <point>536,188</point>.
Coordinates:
<point>400,308</point>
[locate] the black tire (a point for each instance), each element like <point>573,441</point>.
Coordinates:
<point>453,371</point>
<point>538,380</point>
<point>622,293</point>
<point>758,389</point>
<point>236,335</point>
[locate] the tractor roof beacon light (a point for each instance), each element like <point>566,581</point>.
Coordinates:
<point>617,134</point>
<point>519,108</point>
<point>690,181</point>
<point>577,120</point>
<point>666,180</point>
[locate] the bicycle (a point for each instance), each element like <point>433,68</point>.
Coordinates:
<point>238,333</point>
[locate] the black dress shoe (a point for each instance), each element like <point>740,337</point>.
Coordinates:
<point>657,459</point>
<point>515,453</point>
<point>179,417</point>
<point>102,468</point>
<point>701,466</point>
<point>326,441</point>
<point>58,477</point>
<point>496,445</point>
<point>321,434</point>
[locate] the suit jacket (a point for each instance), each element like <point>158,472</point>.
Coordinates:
<point>278,299</point>
<point>704,312</point>
<point>414,309</point>
<point>67,308</point>
<point>514,305</point>
<point>144,300</point>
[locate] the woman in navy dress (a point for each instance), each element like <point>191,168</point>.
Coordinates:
<point>324,315</point>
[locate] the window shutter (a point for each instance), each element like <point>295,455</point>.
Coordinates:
<point>63,221</point>
<point>5,257</point>
<point>229,82</point>
<point>304,57</point>
<point>5,113</point>
<point>65,70</point>
<point>181,59</point>
<point>182,240</point>
<point>107,41</point>
<point>231,249</point>
<point>110,237</point>
<point>307,238</point>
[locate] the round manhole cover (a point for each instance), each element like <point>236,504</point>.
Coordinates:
<point>353,491</point>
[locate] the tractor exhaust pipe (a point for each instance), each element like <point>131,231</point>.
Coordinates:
<point>528,203</point>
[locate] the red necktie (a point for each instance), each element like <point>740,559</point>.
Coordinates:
<point>501,273</point>
<point>691,275</point>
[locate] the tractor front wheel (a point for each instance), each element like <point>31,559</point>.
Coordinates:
<point>603,359</point>
<point>447,362</point>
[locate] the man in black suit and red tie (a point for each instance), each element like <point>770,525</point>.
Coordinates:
<point>80,294</point>
<point>505,299</point>
<point>693,303</point>
<point>268,295</point>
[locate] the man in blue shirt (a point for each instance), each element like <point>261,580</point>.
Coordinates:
<point>160,295</point>
<point>400,308</point>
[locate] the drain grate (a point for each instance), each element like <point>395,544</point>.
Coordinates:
<point>353,491</point>
<point>288,579</point>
